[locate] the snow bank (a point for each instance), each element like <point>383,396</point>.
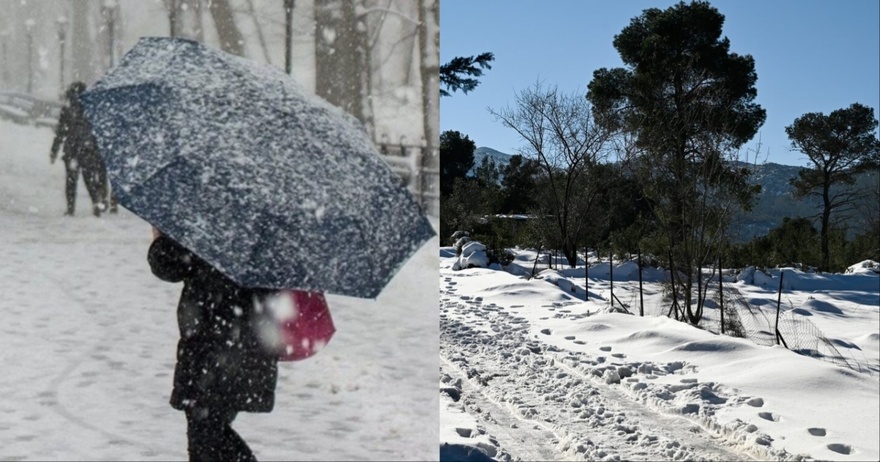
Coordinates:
<point>473,255</point>
<point>461,437</point>
<point>856,278</point>
<point>869,267</point>
<point>603,382</point>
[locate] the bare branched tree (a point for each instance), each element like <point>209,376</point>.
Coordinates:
<point>558,130</point>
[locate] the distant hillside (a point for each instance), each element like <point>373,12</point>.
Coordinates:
<point>501,159</point>
<point>774,203</point>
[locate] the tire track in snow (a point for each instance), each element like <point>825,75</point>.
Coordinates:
<point>592,420</point>
<point>518,437</point>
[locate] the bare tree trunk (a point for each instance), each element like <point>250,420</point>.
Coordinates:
<point>173,18</point>
<point>641,293</point>
<point>288,15</point>
<point>231,40</point>
<point>721,292</point>
<point>826,224</point>
<point>82,56</point>
<point>339,51</point>
<point>429,38</point>
<point>586,274</point>
<point>200,23</point>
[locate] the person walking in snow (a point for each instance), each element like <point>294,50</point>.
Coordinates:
<point>80,154</point>
<point>222,366</point>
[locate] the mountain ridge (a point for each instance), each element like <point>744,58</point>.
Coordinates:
<point>774,203</point>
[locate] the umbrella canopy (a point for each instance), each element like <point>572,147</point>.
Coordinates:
<point>272,186</point>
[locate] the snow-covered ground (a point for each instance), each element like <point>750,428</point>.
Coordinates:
<point>530,370</point>
<point>88,342</point>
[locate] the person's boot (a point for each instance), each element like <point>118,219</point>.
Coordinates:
<point>96,210</point>
<point>113,205</point>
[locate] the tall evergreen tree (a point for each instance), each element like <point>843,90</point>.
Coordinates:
<point>688,101</point>
<point>518,184</point>
<point>839,145</point>
<point>456,159</point>
<point>487,175</point>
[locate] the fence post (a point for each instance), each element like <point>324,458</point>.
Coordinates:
<point>641,295</point>
<point>721,292</point>
<point>535,266</point>
<point>672,283</point>
<point>586,274</point>
<point>611,275</point>
<point>778,304</point>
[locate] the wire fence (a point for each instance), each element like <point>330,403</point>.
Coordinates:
<point>795,331</point>
<point>743,319</point>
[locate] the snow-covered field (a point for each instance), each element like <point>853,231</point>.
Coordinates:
<point>88,342</point>
<point>530,370</point>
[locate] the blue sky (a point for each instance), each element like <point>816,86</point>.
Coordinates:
<point>810,56</point>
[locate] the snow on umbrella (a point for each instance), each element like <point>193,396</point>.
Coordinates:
<point>231,158</point>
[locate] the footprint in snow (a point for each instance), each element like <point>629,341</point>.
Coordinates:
<point>768,416</point>
<point>755,402</point>
<point>605,348</point>
<point>816,431</point>
<point>840,448</point>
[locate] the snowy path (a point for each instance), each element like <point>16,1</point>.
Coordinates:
<point>88,343</point>
<point>537,392</point>
<point>529,370</point>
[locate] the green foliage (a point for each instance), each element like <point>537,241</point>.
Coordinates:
<point>518,185</point>
<point>487,176</point>
<point>681,83</point>
<point>452,73</point>
<point>796,243</point>
<point>625,214</point>
<point>461,210</point>
<point>687,101</point>
<point>865,246</point>
<point>499,234</point>
<point>839,145</point>
<point>456,159</point>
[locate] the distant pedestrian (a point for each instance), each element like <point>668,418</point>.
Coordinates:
<point>80,153</point>
<point>223,366</point>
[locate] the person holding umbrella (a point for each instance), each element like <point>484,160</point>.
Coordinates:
<point>223,366</point>
<point>258,188</point>
<point>80,153</point>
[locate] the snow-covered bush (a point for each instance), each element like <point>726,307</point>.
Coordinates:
<point>864,267</point>
<point>473,254</point>
<point>461,238</point>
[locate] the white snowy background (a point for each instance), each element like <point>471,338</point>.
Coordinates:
<point>88,343</point>
<point>531,371</point>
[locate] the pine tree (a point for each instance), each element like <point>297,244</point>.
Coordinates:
<point>452,73</point>
<point>688,101</point>
<point>839,145</point>
<point>456,159</point>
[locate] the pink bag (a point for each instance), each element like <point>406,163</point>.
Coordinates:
<point>305,329</point>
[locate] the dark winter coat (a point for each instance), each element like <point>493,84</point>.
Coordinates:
<point>221,363</point>
<point>74,132</point>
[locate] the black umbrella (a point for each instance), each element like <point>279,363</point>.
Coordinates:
<point>274,187</point>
